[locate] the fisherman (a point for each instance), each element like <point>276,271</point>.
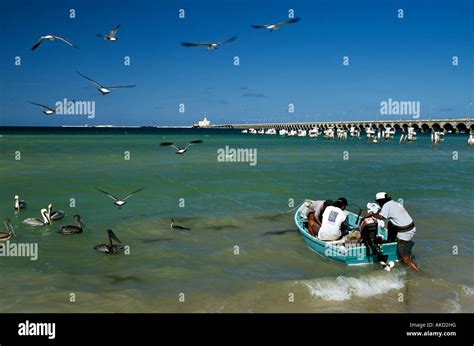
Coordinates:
<point>399,224</point>
<point>314,215</point>
<point>335,222</point>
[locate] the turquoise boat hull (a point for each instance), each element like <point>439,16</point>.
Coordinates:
<point>353,255</point>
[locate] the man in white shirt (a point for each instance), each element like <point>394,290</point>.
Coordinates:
<point>334,224</point>
<point>400,226</point>
<point>314,215</point>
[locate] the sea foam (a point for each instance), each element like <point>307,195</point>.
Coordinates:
<point>344,288</point>
<point>469,291</point>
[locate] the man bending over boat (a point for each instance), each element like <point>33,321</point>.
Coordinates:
<point>314,215</point>
<point>400,226</point>
<point>335,222</point>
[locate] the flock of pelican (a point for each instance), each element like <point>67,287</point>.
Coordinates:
<point>48,216</point>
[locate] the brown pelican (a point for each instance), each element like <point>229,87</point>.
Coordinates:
<point>110,248</point>
<point>38,222</point>
<point>211,45</point>
<point>119,202</point>
<point>180,151</point>
<point>277,26</point>
<point>173,226</point>
<point>52,38</point>
<point>69,229</point>
<point>110,36</point>
<point>55,215</point>
<point>47,109</point>
<point>9,231</point>
<point>104,90</point>
<point>19,203</point>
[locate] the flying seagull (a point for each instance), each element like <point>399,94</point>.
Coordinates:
<point>52,38</point>
<point>179,150</point>
<point>174,226</point>
<point>47,109</point>
<point>104,90</point>
<point>119,202</point>
<point>210,46</point>
<point>277,26</point>
<point>110,36</point>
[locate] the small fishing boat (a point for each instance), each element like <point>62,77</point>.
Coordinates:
<point>470,140</point>
<point>370,132</point>
<point>302,133</point>
<point>329,133</point>
<point>313,133</point>
<point>345,251</point>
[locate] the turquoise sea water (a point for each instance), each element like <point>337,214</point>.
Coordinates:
<point>228,205</point>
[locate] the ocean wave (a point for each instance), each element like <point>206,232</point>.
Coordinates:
<point>344,288</point>
<point>452,305</point>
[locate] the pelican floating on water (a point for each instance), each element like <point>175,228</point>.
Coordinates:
<point>52,38</point>
<point>104,90</point>
<point>173,226</point>
<point>110,248</point>
<point>47,109</point>
<point>70,229</point>
<point>211,45</point>
<point>19,203</point>
<point>111,35</point>
<point>277,26</point>
<point>38,222</point>
<point>55,215</point>
<point>119,202</point>
<point>180,151</point>
<point>9,231</point>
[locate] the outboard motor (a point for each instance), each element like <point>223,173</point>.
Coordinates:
<point>371,239</point>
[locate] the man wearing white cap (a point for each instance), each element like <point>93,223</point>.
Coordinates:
<point>400,226</point>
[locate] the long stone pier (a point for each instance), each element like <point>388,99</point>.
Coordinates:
<point>453,125</point>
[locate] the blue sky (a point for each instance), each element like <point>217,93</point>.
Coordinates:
<point>406,59</point>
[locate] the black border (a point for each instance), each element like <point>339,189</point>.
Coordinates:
<point>226,329</point>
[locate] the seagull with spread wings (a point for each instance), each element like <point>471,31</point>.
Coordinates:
<point>104,90</point>
<point>180,151</point>
<point>119,202</point>
<point>47,109</point>
<point>277,26</point>
<point>211,45</point>
<point>52,38</point>
<point>111,36</point>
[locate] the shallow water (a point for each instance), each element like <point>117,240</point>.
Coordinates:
<point>229,205</point>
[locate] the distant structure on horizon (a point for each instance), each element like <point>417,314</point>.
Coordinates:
<point>203,123</point>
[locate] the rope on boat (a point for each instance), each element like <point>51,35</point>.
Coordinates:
<point>289,211</point>
<point>221,196</point>
<point>233,199</point>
